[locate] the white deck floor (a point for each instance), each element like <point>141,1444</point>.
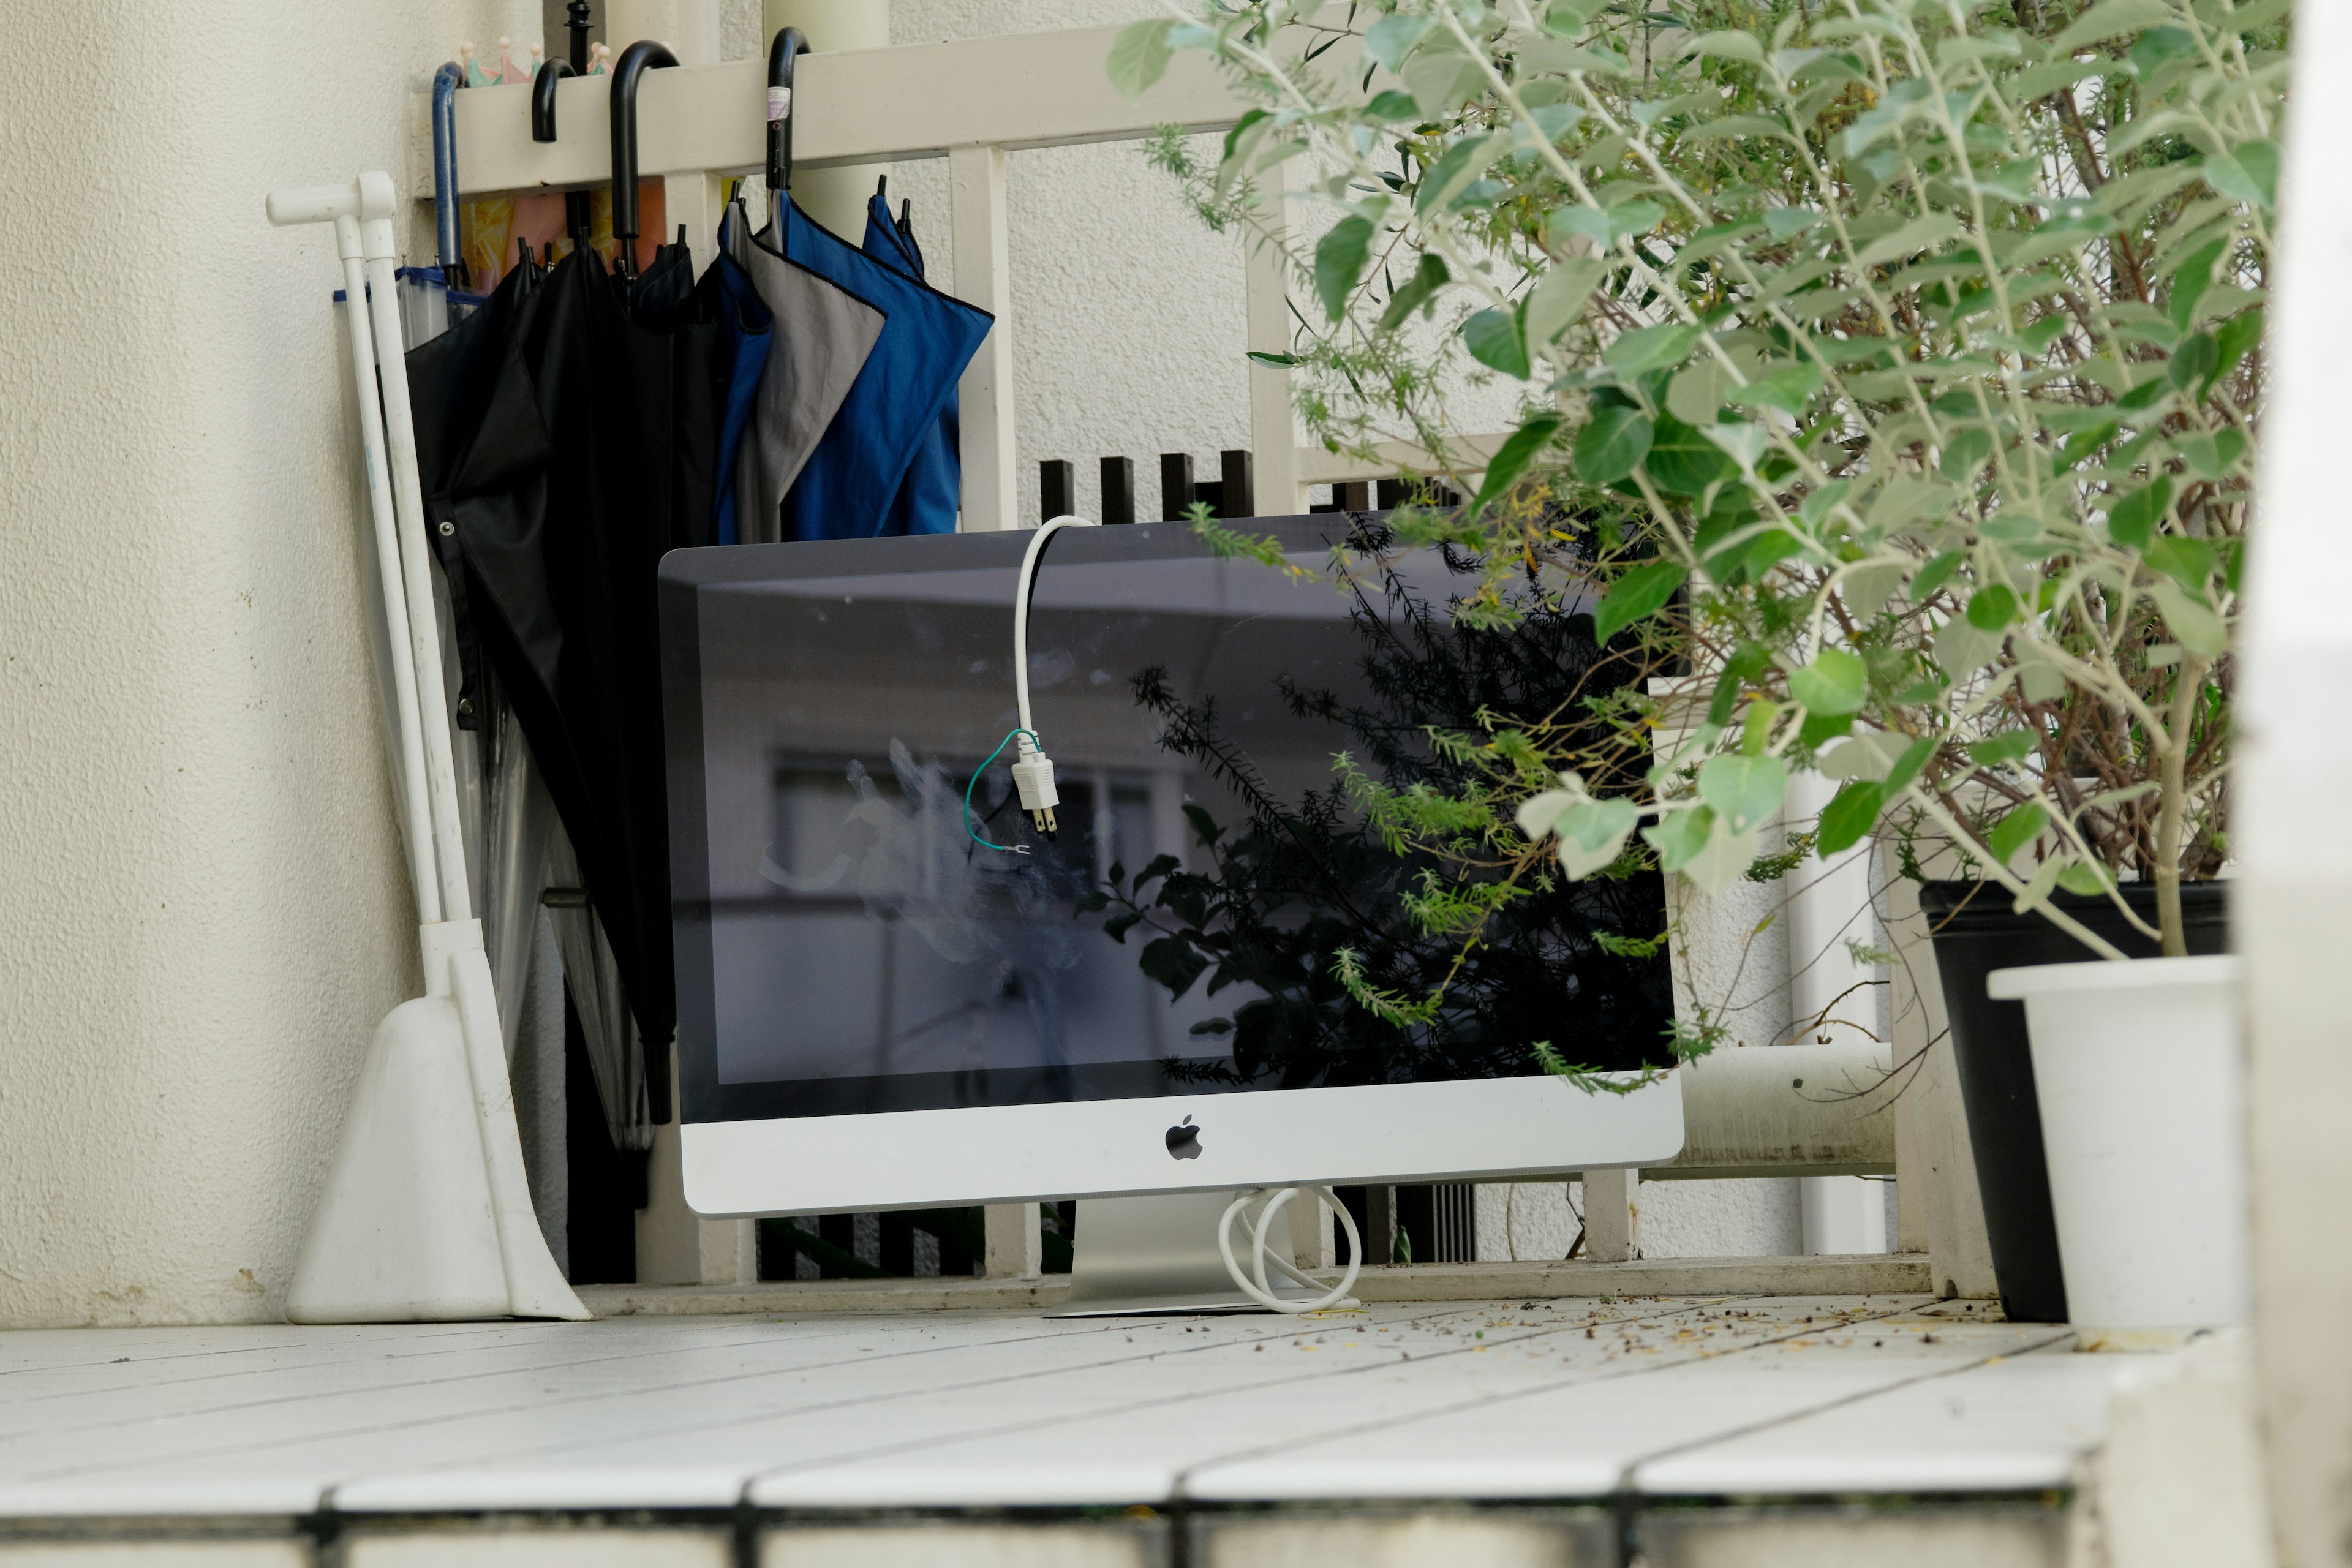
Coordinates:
<point>1553,1401</point>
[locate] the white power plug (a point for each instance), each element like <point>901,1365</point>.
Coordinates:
<point>1032,776</point>
<point>1032,770</point>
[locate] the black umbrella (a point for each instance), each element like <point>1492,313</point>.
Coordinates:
<point>569,436</point>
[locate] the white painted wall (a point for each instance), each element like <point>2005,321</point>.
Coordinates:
<point>202,913</point>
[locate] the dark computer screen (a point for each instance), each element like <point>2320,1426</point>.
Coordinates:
<point>848,942</point>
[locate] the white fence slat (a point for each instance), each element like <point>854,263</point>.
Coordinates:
<point>984,277</point>
<point>1274,431</point>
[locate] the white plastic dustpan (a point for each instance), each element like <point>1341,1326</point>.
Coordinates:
<point>426,1213</point>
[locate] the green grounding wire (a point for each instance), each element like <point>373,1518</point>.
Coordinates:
<point>976,838</point>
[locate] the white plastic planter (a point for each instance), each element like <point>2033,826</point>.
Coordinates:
<point>2141,1076</point>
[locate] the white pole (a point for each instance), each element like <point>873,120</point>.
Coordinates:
<point>401,1232</point>
<point>1832,1000</point>
<point>983,277</point>
<point>378,204</point>
<point>1274,426</point>
<point>416,813</point>
<point>2292,902</point>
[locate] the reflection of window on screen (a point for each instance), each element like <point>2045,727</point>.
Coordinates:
<point>938,956</point>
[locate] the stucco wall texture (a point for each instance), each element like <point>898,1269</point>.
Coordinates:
<point>202,913</point>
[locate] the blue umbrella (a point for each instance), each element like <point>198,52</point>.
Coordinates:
<point>823,334</point>
<point>927,501</point>
<point>849,485</point>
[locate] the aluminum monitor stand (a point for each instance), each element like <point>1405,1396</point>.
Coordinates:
<point>1148,1257</point>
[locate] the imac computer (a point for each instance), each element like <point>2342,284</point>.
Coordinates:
<point>896,990</point>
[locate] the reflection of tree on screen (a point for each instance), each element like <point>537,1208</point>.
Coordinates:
<point>1292,884</point>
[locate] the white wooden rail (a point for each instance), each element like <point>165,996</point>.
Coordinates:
<point>969,102</point>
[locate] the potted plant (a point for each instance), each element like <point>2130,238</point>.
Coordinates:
<point>1896,369</point>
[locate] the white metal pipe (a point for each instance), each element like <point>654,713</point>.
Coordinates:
<point>415,814</point>
<point>979,237</point>
<point>378,205</point>
<point>856,106</point>
<point>341,205</point>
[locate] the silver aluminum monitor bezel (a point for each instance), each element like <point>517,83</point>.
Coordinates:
<point>1489,1128</point>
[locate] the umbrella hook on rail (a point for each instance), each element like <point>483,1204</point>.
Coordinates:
<point>635,60</point>
<point>446,83</point>
<point>542,129</point>
<point>789,44</point>
<point>542,98</point>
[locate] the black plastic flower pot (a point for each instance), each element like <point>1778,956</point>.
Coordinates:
<point>1976,932</point>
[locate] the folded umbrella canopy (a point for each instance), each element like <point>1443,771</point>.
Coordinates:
<point>847,487</point>
<point>707,340</point>
<point>823,337</point>
<point>532,437</point>
<point>747,331</point>
<point>928,498</point>
<point>825,333</point>
<point>713,338</point>
<point>569,435</point>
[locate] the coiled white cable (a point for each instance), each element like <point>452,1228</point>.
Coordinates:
<point>1257,1289</point>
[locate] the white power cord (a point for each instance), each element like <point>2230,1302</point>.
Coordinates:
<point>1032,770</point>
<point>1256,1288</point>
<point>1032,776</point>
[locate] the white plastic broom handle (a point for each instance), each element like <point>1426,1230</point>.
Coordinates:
<point>408,724</point>
<point>408,501</point>
<point>314,204</point>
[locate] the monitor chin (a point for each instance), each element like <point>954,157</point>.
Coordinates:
<point>1486,1128</point>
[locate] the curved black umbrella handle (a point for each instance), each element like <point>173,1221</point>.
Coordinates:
<point>639,58</point>
<point>542,98</point>
<point>788,45</point>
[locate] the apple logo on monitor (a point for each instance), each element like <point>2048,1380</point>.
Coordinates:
<point>1185,1140</point>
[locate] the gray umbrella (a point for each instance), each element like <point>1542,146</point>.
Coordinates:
<point>823,336</point>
